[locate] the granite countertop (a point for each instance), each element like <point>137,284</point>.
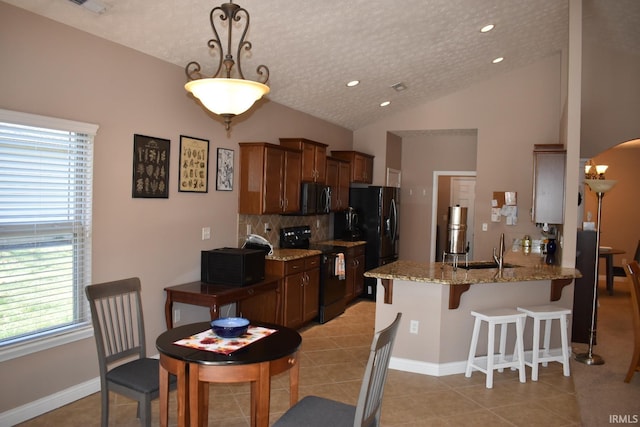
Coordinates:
<point>344,243</point>
<point>292,254</point>
<point>438,272</point>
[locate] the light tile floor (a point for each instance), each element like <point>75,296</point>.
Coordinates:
<point>333,357</point>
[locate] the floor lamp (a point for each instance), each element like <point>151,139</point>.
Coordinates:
<point>598,186</point>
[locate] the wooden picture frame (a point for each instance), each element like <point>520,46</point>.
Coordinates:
<point>150,167</point>
<point>193,172</point>
<point>224,175</point>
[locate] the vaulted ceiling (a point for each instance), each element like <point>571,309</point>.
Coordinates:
<point>313,48</point>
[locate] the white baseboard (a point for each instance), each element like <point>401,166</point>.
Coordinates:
<point>49,403</point>
<point>427,368</point>
<point>54,401</point>
<point>442,369</point>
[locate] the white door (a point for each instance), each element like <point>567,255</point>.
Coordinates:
<point>463,193</point>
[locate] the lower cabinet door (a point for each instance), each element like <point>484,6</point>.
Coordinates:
<point>311,295</point>
<point>261,308</point>
<point>292,298</point>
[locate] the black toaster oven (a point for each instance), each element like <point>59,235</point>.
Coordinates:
<point>232,266</point>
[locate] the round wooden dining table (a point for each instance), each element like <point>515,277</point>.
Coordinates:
<point>195,369</point>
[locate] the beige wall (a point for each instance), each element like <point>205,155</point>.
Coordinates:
<point>620,226</point>
<point>53,70</point>
<point>610,98</point>
<point>424,154</point>
<point>511,113</point>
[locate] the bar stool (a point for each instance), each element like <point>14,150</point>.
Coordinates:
<point>547,313</point>
<point>494,317</point>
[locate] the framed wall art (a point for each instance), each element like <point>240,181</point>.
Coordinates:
<point>150,167</point>
<point>224,176</point>
<point>193,174</point>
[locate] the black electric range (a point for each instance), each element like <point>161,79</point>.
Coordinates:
<point>332,270</point>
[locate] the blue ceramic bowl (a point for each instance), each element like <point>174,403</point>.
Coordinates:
<point>230,327</point>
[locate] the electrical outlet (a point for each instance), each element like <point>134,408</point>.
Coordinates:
<point>248,229</point>
<point>176,315</point>
<point>485,227</point>
<point>267,227</point>
<point>413,327</point>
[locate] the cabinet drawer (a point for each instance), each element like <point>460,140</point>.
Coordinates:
<point>357,250</point>
<point>294,266</point>
<point>311,262</point>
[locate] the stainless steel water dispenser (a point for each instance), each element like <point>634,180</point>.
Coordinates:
<point>456,235</point>
<point>457,230</point>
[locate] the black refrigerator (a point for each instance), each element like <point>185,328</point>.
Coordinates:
<point>378,210</point>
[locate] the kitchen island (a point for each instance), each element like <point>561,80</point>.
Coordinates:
<point>436,301</point>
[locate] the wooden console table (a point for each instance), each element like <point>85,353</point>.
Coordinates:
<point>214,296</point>
<point>607,254</point>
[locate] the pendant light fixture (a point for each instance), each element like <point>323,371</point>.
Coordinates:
<point>222,94</point>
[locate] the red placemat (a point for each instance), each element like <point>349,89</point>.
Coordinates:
<point>209,341</point>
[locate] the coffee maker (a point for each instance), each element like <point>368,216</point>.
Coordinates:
<point>351,229</point>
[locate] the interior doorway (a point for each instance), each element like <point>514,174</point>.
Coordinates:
<point>451,188</point>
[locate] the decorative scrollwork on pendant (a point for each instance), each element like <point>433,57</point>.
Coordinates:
<point>232,13</point>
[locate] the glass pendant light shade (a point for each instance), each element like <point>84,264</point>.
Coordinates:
<point>600,185</point>
<point>225,96</point>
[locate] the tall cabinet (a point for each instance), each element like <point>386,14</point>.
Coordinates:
<point>548,183</point>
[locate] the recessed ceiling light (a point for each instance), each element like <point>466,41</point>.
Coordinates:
<point>487,28</point>
<point>497,60</point>
<point>353,83</point>
<point>385,103</point>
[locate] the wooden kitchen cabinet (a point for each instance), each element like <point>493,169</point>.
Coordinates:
<point>338,178</point>
<point>300,288</point>
<point>354,263</point>
<point>314,155</point>
<point>361,165</point>
<point>548,183</point>
<point>260,308</point>
<point>270,177</point>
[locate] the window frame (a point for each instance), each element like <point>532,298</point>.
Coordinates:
<point>61,335</point>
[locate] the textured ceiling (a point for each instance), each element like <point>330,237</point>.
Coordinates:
<point>313,47</point>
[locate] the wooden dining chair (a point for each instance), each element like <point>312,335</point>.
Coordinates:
<point>317,411</point>
<point>633,273</point>
<point>118,327</point>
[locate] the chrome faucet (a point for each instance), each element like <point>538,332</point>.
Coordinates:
<point>499,259</point>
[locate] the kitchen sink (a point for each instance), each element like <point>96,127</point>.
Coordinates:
<point>476,265</point>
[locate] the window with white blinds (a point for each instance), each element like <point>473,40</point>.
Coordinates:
<point>46,171</point>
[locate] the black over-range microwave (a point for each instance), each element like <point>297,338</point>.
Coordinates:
<point>314,198</point>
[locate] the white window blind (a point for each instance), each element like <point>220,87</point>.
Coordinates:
<point>46,171</point>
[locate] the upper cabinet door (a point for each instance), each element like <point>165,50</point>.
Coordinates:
<point>332,181</point>
<point>273,181</point>
<point>548,185</point>
<point>291,181</point>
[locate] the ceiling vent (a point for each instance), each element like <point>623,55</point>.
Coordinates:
<point>94,6</point>
<point>399,87</point>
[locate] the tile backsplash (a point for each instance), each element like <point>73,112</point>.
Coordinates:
<point>321,226</point>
